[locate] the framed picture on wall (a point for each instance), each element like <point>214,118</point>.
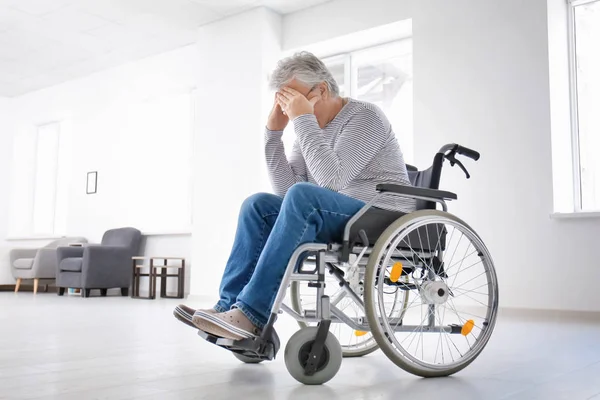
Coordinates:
<point>92,182</point>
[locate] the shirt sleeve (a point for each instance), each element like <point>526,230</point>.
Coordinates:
<point>283,173</point>
<point>334,167</point>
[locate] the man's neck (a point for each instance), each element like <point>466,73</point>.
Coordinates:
<point>338,104</point>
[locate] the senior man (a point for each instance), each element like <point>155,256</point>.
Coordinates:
<point>344,148</point>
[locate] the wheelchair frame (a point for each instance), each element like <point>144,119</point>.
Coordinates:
<point>265,346</point>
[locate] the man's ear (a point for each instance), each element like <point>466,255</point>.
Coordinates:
<point>323,90</point>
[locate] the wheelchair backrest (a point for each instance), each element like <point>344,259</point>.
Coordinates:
<point>376,220</point>
<point>428,178</point>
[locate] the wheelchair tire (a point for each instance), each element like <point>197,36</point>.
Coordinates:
<point>357,349</point>
<point>395,237</point>
<point>297,351</point>
<point>246,359</point>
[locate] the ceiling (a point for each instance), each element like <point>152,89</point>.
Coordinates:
<point>45,42</point>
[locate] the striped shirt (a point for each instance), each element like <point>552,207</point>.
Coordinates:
<point>354,153</point>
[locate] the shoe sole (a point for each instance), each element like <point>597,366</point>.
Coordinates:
<point>216,326</point>
<point>184,316</point>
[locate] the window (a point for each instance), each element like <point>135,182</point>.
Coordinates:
<point>584,18</point>
<point>381,75</point>
<point>35,177</point>
<point>154,164</point>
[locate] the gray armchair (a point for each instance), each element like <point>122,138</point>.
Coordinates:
<point>38,263</point>
<point>103,266</point>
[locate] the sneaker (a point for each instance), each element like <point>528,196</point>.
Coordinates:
<point>232,324</point>
<point>184,314</point>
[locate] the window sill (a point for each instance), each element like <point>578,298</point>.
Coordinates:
<point>575,215</point>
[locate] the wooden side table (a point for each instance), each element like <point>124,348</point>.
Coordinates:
<point>154,272</point>
<point>137,274</point>
<point>163,274</point>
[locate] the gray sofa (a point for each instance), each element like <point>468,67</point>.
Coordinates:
<point>103,266</point>
<point>38,263</point>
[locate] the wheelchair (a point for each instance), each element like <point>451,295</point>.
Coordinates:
<point>420,286</point>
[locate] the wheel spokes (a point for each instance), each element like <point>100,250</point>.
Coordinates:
<point>431,337</point>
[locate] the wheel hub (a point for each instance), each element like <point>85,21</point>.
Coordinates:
<point>434,292</point>
<point>305,353</point>
<point>354,279</point>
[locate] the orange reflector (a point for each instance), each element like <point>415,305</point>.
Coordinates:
<point>467,327</point>
<point>360,333</point>
<point>396,272</point>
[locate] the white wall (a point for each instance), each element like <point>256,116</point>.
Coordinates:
<point>236,55</point>
<point>90,106</point>
<point>482,79</point>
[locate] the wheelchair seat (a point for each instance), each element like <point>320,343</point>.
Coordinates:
<point>373,223</point>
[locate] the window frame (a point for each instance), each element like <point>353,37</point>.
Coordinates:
<point>347,57</point>
<point>574,103</point>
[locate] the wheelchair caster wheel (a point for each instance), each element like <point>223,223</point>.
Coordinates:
<point>297,353</point>
<point>246,359</point>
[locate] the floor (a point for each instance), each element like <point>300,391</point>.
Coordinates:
<point>117,348</point>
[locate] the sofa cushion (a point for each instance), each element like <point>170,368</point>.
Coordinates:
<point>71,264</point>
<point>23,263</point>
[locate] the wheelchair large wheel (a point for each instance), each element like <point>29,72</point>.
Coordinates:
<point>354,343</point>
<point>452,305</point>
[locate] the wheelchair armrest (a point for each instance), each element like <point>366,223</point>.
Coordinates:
<point>411,191</point>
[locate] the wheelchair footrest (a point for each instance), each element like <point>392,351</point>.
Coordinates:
<point>254,348</point>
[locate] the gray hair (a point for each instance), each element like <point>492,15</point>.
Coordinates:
<point>306,68</point>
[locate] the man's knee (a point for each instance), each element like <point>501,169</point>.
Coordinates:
<point>302,192</point>
<point>258,200</point>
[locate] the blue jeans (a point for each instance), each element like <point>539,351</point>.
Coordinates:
<point>269,229</point>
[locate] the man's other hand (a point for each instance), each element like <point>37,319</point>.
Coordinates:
<point>294,103</point>
<point>277,119</point>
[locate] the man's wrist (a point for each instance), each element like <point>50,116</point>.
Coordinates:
<point>304,118</point>
<point>273,131</point>
<point>301,115</point>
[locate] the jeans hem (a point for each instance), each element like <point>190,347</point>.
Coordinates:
<point>220,308</point>
<point>246,311</point>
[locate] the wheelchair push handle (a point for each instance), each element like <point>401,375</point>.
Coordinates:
<point>451,150</point>
<point>458,149</point>
<point>472,154</point>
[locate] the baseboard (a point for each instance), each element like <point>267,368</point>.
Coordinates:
<point>550,314</point>
<point>52,289</point>
<point>7,288</point>
<point>28,288</point>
